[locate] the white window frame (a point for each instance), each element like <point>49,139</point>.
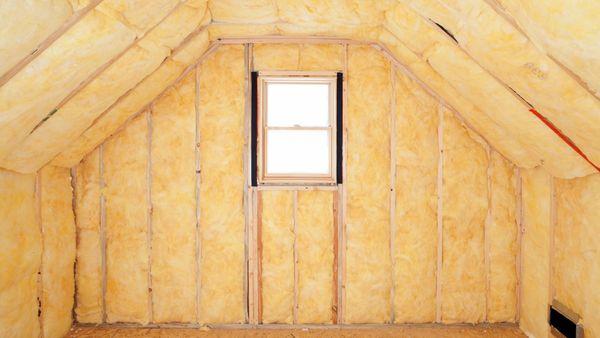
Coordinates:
<point>264,78</point>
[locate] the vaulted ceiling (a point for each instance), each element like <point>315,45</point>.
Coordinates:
<point>523,74</point>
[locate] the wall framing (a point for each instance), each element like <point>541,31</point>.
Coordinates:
<point>252,209</point>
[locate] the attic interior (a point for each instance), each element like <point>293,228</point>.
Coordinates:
<point>418,168</point>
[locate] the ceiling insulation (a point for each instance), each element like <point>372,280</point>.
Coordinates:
<point>489,60</point>
<point>125,73</point>
<point>26,24</point>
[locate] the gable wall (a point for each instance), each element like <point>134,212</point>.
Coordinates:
<point>420,190</point>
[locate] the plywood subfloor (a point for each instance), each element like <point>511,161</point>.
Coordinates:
<point>400,331</point>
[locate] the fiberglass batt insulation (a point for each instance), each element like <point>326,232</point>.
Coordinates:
<point>174,265</point>
<point>314,246</point>
<point>125,175</point>
<point>464,213</point>
<point>535,251</point>
<point>303,57</point>
<point>89,244</point>
<point>277,259</point>
<point>501,240</point>
<point>138,62</point>
<point>20,256</point>
<point>577,249</point>
<point>368,261</point>
<point>222,221</point>
<point>416,171</point>
<point>58,259</point>
<point>134,100</point>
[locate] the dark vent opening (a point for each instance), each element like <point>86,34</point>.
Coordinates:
<point>562,324</point>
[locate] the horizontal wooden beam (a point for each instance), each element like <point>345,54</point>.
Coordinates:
<point>289,39</point>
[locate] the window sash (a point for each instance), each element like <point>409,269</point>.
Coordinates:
<point>265,178</point>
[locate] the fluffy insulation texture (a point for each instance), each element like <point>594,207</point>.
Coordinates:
<point>277,260</point>
<point>174,262</point>
<point>539,54</point>
<point>194,222</point>
<point>58,259</point>
<point>535,276</point>
<point>221,118</point>
<point>20,256</point>
<point>577,249</point>
<point>368,282</point>
<point>464,212</point>
<point>125,161</point>
<point>416,173</point>
<point>37,253</point>
<point>90,238</point>
<point>314,222</point>
<point>297,260</point>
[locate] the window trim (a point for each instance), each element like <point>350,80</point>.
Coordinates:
<point>263,78</point>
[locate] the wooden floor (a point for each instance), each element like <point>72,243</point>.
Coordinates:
<point>413,331</point>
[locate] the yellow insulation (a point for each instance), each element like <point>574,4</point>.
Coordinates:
<point>174,204</point>
<point>482,123</point>
<point>415,240</point>
<point>577,249</point>
<point>277,256</point>
<point>88,275</point>
<point>518,63</point>
<point>20,256</point>
<point>58,227</point>
<point>132,102</point>
<point>314,247</point>
<point>129,70</point>
<point>303,57</point>
<point>464,213</point>
<point>501,239</point>
<point>125,166</point>
<point>138,15</point>
<point>36,90</point>
<point>368,264</point>
<point>26,24</point>
<point>482,89</point>
<point>571,39</point>
<point>221,190</point>
<point>535,252</point>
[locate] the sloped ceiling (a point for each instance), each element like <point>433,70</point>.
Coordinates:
<point>522,74</point>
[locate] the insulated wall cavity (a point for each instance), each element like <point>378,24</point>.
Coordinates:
<point>465,205</point>
<point>20,256</point>
<point>88,276</point>
<point>173,176</point>
<point>576,268</point>
<point>297,262</point>
<point>172,209</point>
<point>127,256</point>
<point>535,250</point>
<point>368,259</point>
<point>415,222</point>
<point>58,258</point>
<point>501,241</point>
<point>277,260</point>
<point>315,256</point>
<point>303,57</point>
<point>222,222</point>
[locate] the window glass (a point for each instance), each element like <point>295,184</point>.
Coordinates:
<point>298,152</point>
<point>298,104</point>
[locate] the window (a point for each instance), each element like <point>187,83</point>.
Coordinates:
<point>296,126</point>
